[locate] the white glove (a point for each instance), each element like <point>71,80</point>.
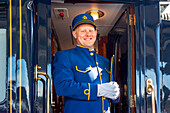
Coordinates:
<point>109,90</point>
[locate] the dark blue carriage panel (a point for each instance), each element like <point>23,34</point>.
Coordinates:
<point>147,54</point>
<point>165,65</point>
<point>42,52</point>
<point>17,58</point>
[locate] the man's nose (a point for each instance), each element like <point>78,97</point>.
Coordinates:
<point>88,33</point>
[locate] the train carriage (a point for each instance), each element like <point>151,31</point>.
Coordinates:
<point>136,32</point>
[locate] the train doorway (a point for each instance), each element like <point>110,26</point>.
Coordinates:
<point>116,36</point>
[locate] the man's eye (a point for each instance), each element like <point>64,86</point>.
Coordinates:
<point>91,30</point>
<point>82,30</point>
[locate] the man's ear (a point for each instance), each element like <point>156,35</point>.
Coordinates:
<point>74,34</point>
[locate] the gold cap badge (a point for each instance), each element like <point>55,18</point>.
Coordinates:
<point>84,17</point>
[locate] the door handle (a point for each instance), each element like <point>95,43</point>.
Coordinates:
<point>150,91</point>
<point>36,77</point>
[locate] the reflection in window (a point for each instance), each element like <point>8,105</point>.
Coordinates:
<point>2,63</point>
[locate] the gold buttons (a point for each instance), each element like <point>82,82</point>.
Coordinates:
<point>104,98</point>
<point>100,73</point>
<point>104,111</point>
<point>97,63</point>
<point>91,54</point>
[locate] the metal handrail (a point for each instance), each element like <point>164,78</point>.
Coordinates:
<point>150,91</point>
<point>36,73</point>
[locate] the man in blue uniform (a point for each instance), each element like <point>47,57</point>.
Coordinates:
<point>81,75</point>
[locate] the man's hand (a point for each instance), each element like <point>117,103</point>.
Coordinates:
<point>109,90</point>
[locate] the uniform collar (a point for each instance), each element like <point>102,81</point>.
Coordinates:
<point>85,48</point>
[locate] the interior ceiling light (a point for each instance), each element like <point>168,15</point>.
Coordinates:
<point>96,14</point>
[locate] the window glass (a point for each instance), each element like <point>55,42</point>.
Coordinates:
<point>2,63</point>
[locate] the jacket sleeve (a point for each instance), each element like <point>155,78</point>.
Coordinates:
<point>64,83</point>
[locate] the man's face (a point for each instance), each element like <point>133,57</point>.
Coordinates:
<point>85,35</point>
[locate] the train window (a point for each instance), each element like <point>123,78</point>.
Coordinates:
<point>2,63</point>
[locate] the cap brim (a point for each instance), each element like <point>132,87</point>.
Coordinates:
<point>84,22</point>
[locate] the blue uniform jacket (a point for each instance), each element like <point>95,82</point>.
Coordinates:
<point>76,73</point>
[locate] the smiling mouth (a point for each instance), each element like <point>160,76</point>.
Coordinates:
<point>88,39</point>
